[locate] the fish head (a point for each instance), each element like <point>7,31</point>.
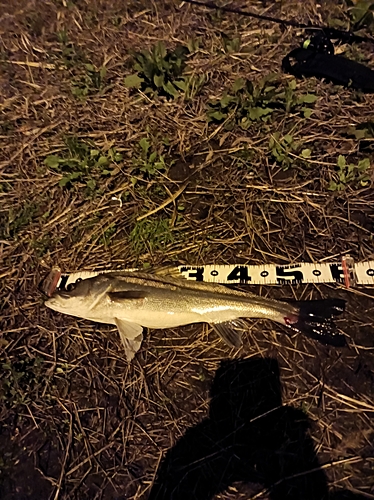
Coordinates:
<point>81,297</point>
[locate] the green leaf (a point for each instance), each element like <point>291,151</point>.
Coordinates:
<point>309,98</point>
<point>239,84</point>
<point>118,157</point>
<point>161,50</point>
<point>192,44</point>
<point>94,153</point>
<point>226,100</point>
<point>217,115</point>
<point>133,81</point>
<point>52,161</point>
<point>292,84</point>
<point>103,72</point>
<point>64,181</point>
<point>245,123</point>
<point>257,112</point>
<point>363,165</point>
<point>138,66</point>
<point>144,144</point>
<point>91,184</point>
<point>305,153</point>
<point>170,89</point>
<point>90,67</point>
<point>181,84</point>
<point>341,162</point>
<point>360,134</point>
<point>159,165</point>
<point>307,112</point>
<point>269,89</point>
<point>103,160</point>
<point>152,157</point>
<point>158,80</point>
<point>288,139</point>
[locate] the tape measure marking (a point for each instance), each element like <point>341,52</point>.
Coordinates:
<point>345,272</point>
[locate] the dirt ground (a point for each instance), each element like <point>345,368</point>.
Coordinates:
<point>85,152</point>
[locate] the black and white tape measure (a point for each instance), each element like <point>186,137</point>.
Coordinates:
<point>345,272</point>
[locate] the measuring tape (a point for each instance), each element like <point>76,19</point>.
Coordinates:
<point>345,272</point>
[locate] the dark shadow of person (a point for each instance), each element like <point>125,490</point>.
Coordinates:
<point>347,495</point>
<point>249,437</point>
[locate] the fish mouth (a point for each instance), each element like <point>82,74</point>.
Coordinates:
<point>55,303</point>
<point>62,295</point>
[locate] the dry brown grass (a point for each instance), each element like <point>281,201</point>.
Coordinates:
<point>76,420</point>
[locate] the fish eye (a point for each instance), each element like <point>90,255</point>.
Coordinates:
<point>71,287</point>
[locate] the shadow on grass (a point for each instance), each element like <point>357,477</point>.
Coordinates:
<point>249,437</point>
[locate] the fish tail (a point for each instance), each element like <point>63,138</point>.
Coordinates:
<point>315,319</point>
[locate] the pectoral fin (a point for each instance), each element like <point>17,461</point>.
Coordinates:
<point>131,337</point>
<point>230,331</point>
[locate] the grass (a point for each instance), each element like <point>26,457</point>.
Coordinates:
<point>147,134</point>
<point>246,103</point>
<point>83,162</point>
<point>152,235</point>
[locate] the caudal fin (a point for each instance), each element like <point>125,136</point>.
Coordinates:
<point>316,321</point>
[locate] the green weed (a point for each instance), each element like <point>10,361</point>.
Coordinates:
<point>90,82</point>
<point>362,131</point>
<point>244,158</point>
<point>361,14</point>
<point>293,102</point>
<point>285,151</point>
<point>247,103</point>
<point>83,162</point>
<point>19,379</point>
<point>62,36</point>
<point>108,234</point>
<point>116,21</point>
<point>191,85</point>
<point>350,174</point>
<point>17,220</point>
<point>71,56</point>
<point>193,44</point>
<point>148,160</point>
<point>244,104</point>
<point>160,71</point>
<point>151,235</point>
<point>230,45</point>
<point>42,245</point>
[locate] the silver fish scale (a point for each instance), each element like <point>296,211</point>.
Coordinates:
<point>168,294</point>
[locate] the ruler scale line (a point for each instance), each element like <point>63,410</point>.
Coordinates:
<point>344,272</point>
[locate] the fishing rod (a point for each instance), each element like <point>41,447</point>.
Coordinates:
<point>332,33</point>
